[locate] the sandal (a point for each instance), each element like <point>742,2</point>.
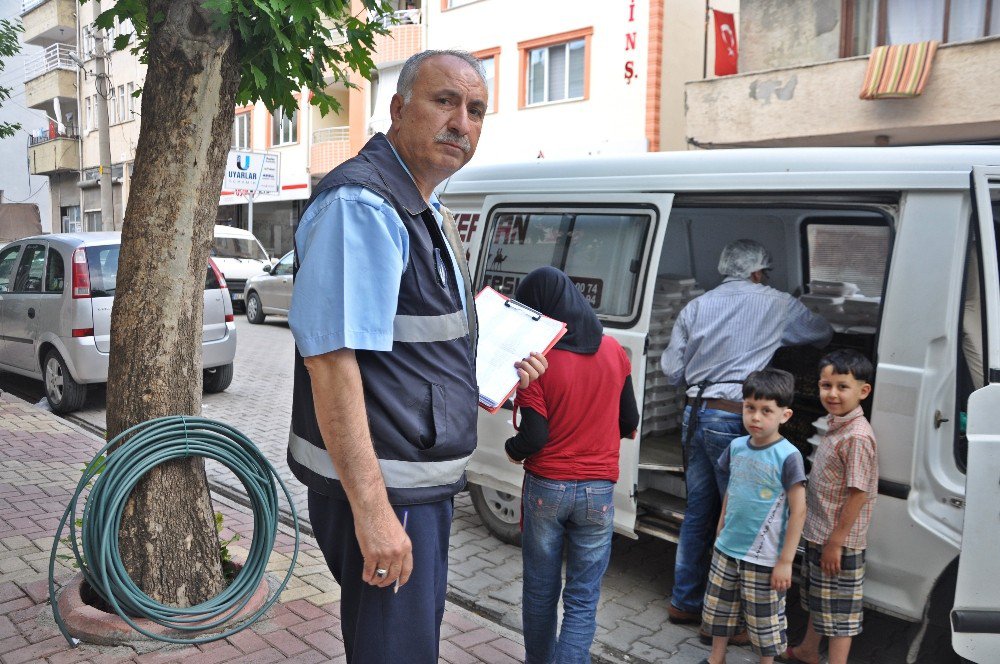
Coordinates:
<point>790,656</point>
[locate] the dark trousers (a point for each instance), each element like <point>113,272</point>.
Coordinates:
<point>380,626</point>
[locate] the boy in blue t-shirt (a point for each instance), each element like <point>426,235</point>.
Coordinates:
<point>762,518</point>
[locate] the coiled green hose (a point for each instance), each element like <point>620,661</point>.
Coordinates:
<point>96,549</point>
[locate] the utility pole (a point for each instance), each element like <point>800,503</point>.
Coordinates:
<point>103,132</point>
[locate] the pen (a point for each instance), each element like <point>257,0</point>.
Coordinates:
<point>406,514</point>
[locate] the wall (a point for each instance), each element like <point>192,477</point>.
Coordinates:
<point>785,33</point>
<point>611,121</point>
<point>17,185</point>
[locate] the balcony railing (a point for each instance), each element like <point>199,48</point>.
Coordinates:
<point>50,133</point>
<point>331,134</point>
<point>402,17</point>
<point>56,56</point>
<point>28,5</point>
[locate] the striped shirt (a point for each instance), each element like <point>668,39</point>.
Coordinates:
<point>846,458</point>
<point>733,330</point>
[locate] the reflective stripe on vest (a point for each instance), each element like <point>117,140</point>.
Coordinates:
<point>395,474</point>
<point>423,329</point>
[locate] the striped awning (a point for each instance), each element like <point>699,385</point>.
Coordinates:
<point>898,71</point>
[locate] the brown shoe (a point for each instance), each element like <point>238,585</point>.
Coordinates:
<point>738,639</point>
<point>679,617</point>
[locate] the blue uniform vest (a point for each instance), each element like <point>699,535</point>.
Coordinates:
<point>421,398</point>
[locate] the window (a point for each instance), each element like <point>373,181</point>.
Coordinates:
<point>284,266</point>
<point>7,258</point>
<point>591,247</point>
<point>112,105</point>
<point>90,114</point>
<point>102,262</point>
<point>451,4</point>
<point>55,272</point>
<point>284,129</point>
<point>241,131</point>
<point>92,220</point>
<point>488,59</point>
<point>131,100</point>
<point>123,114</point>
<point>235,247</point>
<point>849,253</point>
<point>30,270</point>
<point>871,23</point>
<point>555,68</point>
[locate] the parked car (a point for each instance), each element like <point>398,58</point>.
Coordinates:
<point>271,292</point>
<point>56,293</point>
<point>239,255</point>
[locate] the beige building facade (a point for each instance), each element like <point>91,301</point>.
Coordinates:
<point>803,62</point>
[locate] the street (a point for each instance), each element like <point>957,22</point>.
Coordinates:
<point>484,574</point>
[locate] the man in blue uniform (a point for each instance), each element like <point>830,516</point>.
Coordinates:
<point>385,399</point>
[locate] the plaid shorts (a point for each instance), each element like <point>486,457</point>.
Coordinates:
<point>834,602</point>
<point>740,593</point>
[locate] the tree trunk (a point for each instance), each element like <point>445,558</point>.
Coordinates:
<point>168,541</point>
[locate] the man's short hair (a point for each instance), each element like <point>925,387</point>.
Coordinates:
<point>408,74</point>
<point>848,361</point>
<point>774,384</point>
<point>741,258</point>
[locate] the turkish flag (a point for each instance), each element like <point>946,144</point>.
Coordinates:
<point>726,52</point>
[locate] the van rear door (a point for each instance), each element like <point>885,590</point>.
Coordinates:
<point>975,618</point>
<point>609,244</point>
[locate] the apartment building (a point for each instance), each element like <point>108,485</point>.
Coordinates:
<point>566,79</point>
<point>803,62</point>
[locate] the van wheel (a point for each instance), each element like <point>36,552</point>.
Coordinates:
<point>62,392</point>
<point>500,512</point>
<point>255,312</point>
<point>217,379</point>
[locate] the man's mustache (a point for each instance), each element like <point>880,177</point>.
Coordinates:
<point>456,139</point>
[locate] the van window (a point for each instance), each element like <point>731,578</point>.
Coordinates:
<point>30,270</point>
<point>601,251</point>
<point>103,263</point>
<point>237,247</point>
<point>55,272</point>
<point>7,259</point>
<point>849,253</point>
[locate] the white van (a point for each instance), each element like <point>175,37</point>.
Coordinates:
<point>897,247</point>
<point>239,255</point>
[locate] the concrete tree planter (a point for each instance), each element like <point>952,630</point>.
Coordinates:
<point>92,625</point>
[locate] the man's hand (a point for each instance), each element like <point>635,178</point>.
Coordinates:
<point>384,545</point>
<point>530,368</point>
<point>781,577</point>
<point>513,460</point>
<point>830,561</point>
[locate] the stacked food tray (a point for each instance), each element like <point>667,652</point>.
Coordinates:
<point>842,304</point>
<point>663,407</point>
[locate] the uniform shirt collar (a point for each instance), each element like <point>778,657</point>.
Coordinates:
<point>435,203</point>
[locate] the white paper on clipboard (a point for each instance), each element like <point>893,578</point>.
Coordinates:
<point>508,333</point>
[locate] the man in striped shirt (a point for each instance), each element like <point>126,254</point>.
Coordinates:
<point>718,340</point>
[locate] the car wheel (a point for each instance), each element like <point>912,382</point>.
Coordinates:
<point>255,312</point>
<point>217,379</point>
<point>62,392</point>
<point>499,511</point>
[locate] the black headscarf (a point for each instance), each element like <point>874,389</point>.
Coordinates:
<point>550,291</point>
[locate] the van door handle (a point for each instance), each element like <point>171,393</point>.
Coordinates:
<point>31,312</point>
<point>938,420</point>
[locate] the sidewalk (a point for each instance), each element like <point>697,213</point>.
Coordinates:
<point>41,456</point>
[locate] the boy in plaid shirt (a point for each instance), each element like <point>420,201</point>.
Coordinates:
<point>840,497</point>
<point>762,516</point>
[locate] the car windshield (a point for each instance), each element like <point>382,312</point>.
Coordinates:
<point>234,247</point>
<point>103,264</point>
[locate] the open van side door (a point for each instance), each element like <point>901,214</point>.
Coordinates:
<point>975,617</point>
<point>610,245</point>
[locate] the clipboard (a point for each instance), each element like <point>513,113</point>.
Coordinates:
<point>508,332</point>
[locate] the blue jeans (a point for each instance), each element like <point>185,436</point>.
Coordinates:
<point>581,514</point>
<point>706,485</point>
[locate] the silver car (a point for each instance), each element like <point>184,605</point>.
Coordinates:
<point>271,292</point>
<point>56,293</point>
